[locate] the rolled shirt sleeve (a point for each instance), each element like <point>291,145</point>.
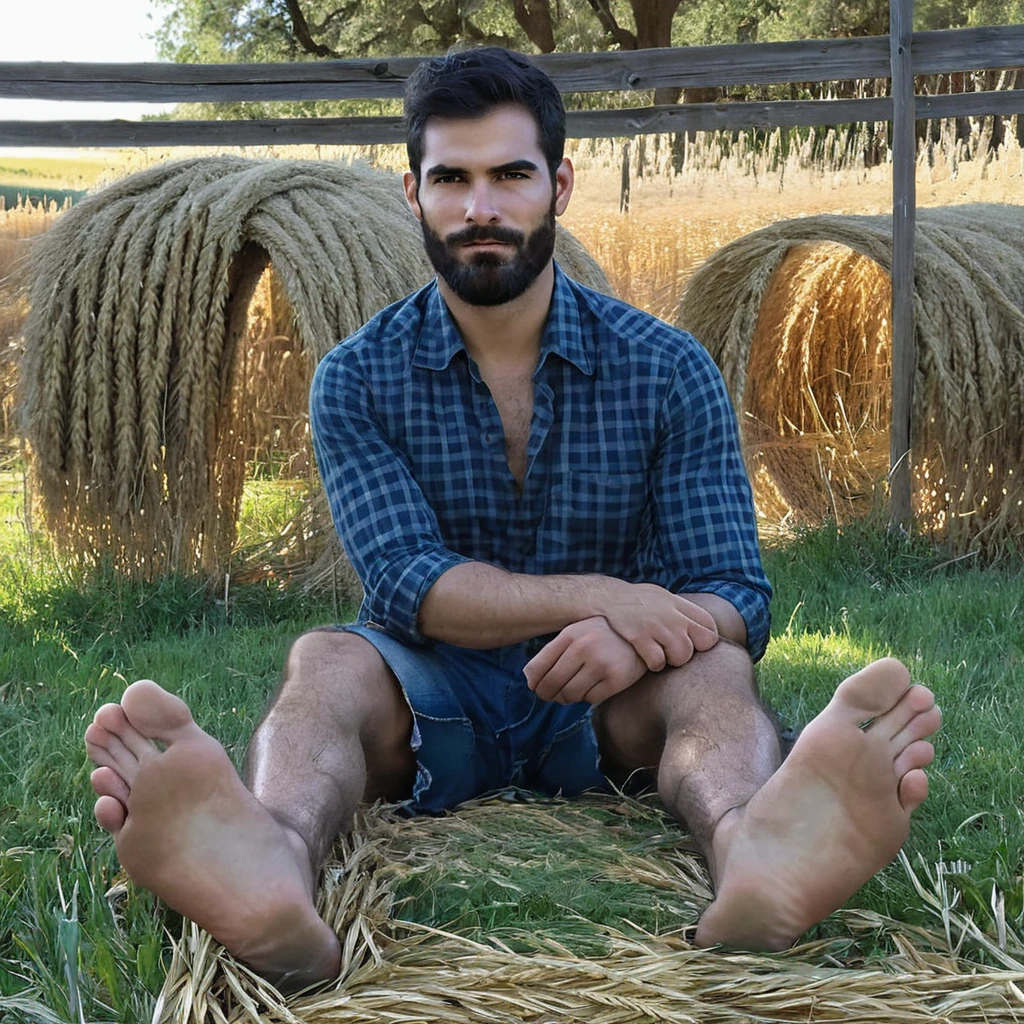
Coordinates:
<point>385,524</point>
<point>704,536</point>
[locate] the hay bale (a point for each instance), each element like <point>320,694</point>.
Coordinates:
<point>138,306</point>
<point>796,316</point>
<point>435,973</point>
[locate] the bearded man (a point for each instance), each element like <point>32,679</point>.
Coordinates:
<point>542,491</point>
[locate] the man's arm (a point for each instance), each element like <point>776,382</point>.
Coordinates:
<point>730,624</point>
<point>481,606</point>
<point>703,543</point>
<point>385,523</point>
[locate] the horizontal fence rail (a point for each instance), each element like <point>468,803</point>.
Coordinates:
<point>581,124</point>
<point>809,60</point>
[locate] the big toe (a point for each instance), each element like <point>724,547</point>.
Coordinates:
<point>872,691</point>
<point>153,711</point>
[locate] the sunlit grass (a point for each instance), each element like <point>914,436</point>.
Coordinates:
<point>73,935</point>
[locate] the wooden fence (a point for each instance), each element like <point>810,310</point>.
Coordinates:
<point>898,57</point>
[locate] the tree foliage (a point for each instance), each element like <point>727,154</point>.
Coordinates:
<point>205,31</point>
<point>267,31</point>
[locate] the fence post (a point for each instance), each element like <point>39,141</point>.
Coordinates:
<point>904,200</point>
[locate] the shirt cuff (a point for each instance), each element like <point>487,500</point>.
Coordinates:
<point>400,593</point>
<point>751,604</point>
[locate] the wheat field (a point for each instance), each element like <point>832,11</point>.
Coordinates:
<point>674,222</point>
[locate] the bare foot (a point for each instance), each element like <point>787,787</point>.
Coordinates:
<point>187,829</point>
<point>836,812</point>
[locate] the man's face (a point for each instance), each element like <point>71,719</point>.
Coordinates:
<point>487,204</point>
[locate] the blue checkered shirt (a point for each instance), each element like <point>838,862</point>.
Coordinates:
<point>634,467</point>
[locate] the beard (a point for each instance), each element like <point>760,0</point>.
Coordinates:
<point>491,279</point>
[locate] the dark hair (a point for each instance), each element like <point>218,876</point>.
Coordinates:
<point>470,84</point>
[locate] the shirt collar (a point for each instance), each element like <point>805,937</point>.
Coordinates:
<point>439,338</point>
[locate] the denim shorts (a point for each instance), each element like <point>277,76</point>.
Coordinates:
<point>477,727</point>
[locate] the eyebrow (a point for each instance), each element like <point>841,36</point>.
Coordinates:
<point>513,165</point>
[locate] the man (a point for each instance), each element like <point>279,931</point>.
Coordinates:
<point>542,491</point>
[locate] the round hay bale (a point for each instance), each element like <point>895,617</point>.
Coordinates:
<point>573,968</point>
<point>138,305</point>
<point>797,317</point>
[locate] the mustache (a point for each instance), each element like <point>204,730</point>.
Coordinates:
<point>478,233</point>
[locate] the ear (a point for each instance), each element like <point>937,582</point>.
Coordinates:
<point>564,180</point>
<point>412,194</point>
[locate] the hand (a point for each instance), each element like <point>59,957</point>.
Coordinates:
<point>663,628</point>
<point>587,661</point>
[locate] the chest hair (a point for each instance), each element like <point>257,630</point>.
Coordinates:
<point>513,395</point>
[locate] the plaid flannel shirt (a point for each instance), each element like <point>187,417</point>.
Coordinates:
<point>634,466</point>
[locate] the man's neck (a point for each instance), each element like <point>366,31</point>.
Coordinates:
<point>506,336</point>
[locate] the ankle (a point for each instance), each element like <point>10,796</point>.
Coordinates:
<point>716,847</point>
<point>308,863</point>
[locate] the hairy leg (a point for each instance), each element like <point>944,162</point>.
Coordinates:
<point>705,730</point>
<point>336,732</point>
<point>186,827</point>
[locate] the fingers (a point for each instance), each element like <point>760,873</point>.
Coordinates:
<point>651,652</point>
<point>678,647</point>
<point>582,656</point>
<point>701,627</point>
<point>546,659</point>
<point>548,685</point>
<point>697,613</point>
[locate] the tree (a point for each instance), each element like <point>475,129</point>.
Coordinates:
<point>249,30</point>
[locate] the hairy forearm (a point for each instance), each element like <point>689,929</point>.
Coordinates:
<point>480,606</point>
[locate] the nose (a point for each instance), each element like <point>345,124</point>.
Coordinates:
<point>481,208</point>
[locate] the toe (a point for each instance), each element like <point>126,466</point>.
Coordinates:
<point>106,782</point>
<point>125,763</point>
<point>872,691</point>
<point>111,717</point>
<point>110,813</point>
<point>914,701</point>
<point>100,756</point>
<point>920,727</point>
<point>916,755</point>
<point>96,735</point>
<point>105,748</point>
<point>913,789</point>
<point>154,712</point>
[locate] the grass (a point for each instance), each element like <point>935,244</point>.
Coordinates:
<point>78,173</point>
<point>77,943</point>
<point>74,938</point>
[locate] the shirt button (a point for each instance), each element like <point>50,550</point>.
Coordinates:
<point>488,438</point>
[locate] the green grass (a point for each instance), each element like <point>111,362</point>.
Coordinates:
<point>79,173</point>
<point>71,943</point>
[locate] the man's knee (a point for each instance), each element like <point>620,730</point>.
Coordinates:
<point>632,726</point>
<point>340,673</point>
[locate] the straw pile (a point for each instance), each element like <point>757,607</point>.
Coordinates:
<point>139,303</point>
<point>796,316</point>
<point>409,970</point>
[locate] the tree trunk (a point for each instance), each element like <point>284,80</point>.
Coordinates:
<point>534,17</point>
<point>654,28</point>
<point>303,36</point>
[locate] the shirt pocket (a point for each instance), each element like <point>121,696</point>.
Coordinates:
<point>593,522</point>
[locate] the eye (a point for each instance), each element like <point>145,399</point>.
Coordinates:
<point>515,175</point>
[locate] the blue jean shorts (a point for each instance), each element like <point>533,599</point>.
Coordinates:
<point>477,727</point>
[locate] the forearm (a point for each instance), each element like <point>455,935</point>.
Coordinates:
<point>480,606</point>
<point>731,624</point>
